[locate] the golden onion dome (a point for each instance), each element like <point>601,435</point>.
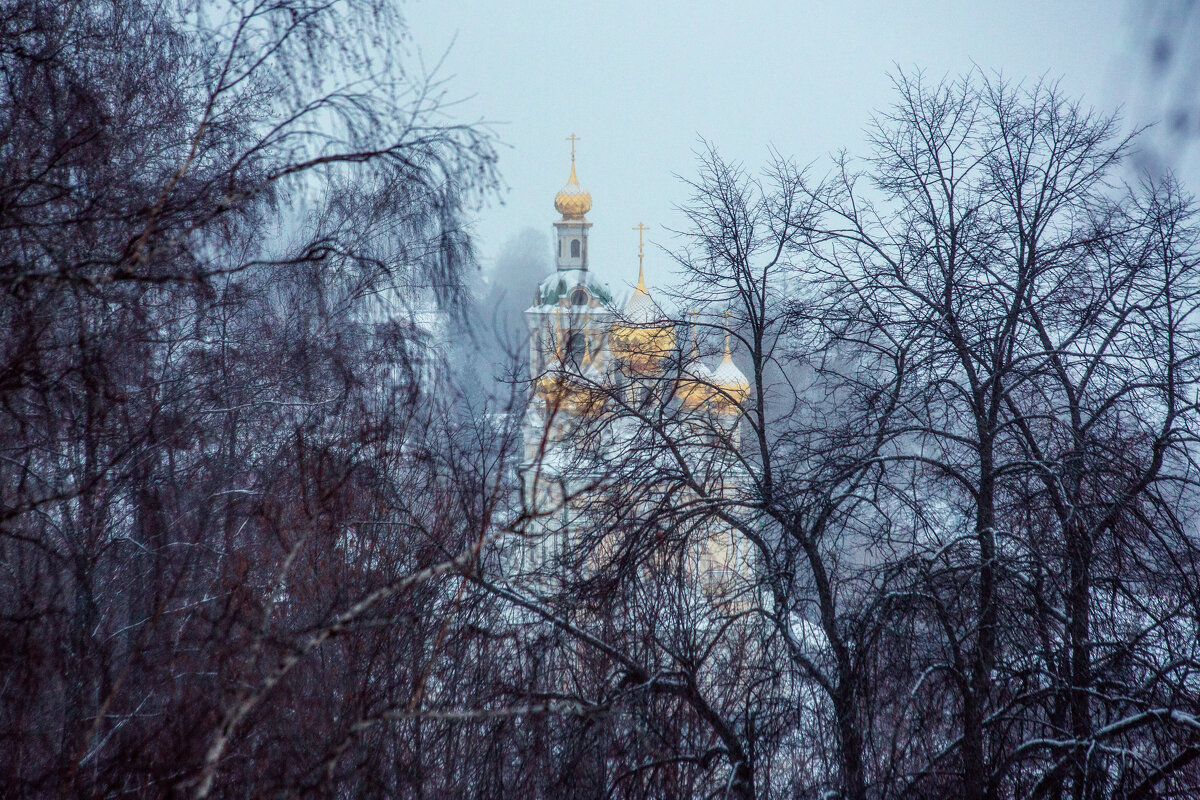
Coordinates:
<point>729,381</point>
<point>572,201</point>
<point>695,387</point>
<point>642,338</point>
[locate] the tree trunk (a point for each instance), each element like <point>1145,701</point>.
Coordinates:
<point>975,771</point>
<point>853,780</point>
<point>1079,548</point>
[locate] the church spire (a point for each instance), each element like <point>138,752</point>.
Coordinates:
<point>730,380</point>
<point>572,201</point>
<point>641,284</point>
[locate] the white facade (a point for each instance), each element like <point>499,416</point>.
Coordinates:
<point>590,363</point>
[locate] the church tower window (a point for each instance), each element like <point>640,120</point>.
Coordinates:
<point>576,348</point>
<point>574,248</point>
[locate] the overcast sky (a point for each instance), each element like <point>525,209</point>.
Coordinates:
<point>640,82</point>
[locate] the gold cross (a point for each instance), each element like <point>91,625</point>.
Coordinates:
<point>641,287</point>
<point>573,139</point>
<point>641,228</point>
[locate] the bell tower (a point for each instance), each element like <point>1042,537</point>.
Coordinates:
<point>570,313</point>
<point>572,202</point>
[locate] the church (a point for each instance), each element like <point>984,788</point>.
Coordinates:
<point>601,371</point>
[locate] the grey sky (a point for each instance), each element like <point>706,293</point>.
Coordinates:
<point>639,82</point>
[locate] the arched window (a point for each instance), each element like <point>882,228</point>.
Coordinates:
<point>574,248</point>
<point>560,248</point>
<point>579,297</point>
<point>576,347</point>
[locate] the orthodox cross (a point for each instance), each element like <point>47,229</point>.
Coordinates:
<point>641,228</point>
<point>572,139</point>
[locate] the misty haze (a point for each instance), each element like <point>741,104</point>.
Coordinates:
<point>556,400</point>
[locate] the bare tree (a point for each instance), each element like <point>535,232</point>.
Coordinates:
<point>238,499</point>
<point>1040,312</point>
<point>963,464</point>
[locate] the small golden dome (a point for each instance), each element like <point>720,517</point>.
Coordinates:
<point>695,388</point>
<point>732,387</point>
<point>643,338</point>
<point>572,201</point>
